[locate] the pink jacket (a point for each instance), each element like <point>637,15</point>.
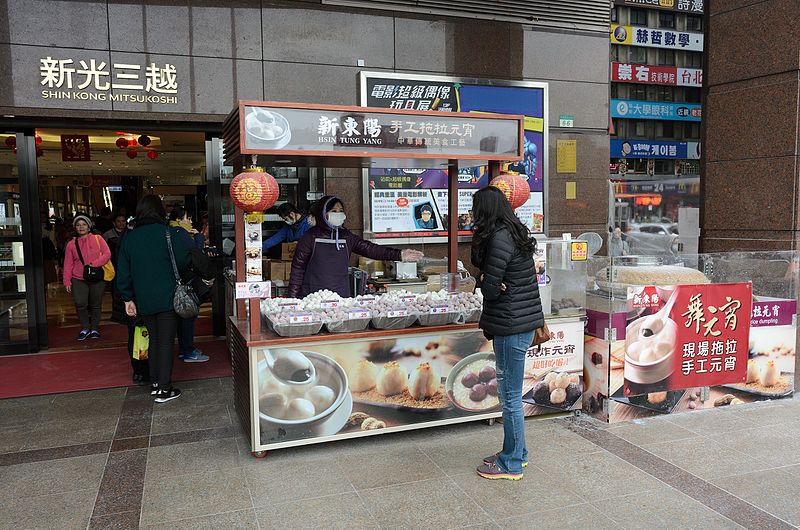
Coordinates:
<point>95,253</point>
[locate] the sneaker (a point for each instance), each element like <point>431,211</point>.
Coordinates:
<point>94,334</point>
<point>181,355</point>
<point>154,389</point>
<point>83,335</point>
<point>162,396</point>
<point>195,357</point>
<point>493,472</point>
<point>489,460</point>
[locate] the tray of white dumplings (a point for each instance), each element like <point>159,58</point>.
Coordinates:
<point>392,386</point>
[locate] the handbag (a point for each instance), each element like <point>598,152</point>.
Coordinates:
<point>184,300</point>
<point>108,269</point>
<point>90,274</point>
<point>541,335</point>
<point>141,343</point>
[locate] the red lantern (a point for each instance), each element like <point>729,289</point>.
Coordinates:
<point>152,155</point>
<point>131,143</point>
<point>122,143</point>
<point>132,153</point>
<point>11,141</point>
<point>144,140</point>
<point>38,139</point>
<point>515,188</point>
<point>254,190</point>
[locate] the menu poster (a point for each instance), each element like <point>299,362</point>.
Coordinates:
<point>252,247</point>
<point>687,336</point>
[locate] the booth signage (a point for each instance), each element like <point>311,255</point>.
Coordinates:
<point>344,131</point>
<point>656,38</point>
<point>652,110</point>
<point>683,6</point>
<point>656,75</point>
<point>654,149</point>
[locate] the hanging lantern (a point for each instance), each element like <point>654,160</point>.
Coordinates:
<point>38,139</point>
<point>14,150</point>
<point>152,155</point>
<point>132,143</point>
<point>144,140</point>
<point>132,153</point>
<point>39,152</point>
<point>11,141</point>
<point>254,190</point>
<point>514,187</point>
<point>122,143</point>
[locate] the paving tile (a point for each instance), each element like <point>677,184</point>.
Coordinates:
<point>123,482</point>
<point>71,510</point>
<point>194,495</point>
<point>598,475</point>
<point>709,422</point>
<point>706,458</point>
<point>774,491</point>
<point>662,508</point>
<point>489,525</point>
<point>69,432</point>
<point>14,437</point>
<point>769,444</point>
<point>553,443</point>
<point>55,453</point>
<point>537,491</point>
<point>344,512</point>
<point>54,476</point>
<point>197,457</point>
<point>116,521</point>
<point>651,431</point>
<point>390,466</point>
<point>174,417</point>
<point>126,444</point>
<point>133,426</point>
<point>239,520</point>
<point>767,413</point>
<point>580,516</point>
<point>193,436</point>
<point>460,454</point>
<point>435,504</point>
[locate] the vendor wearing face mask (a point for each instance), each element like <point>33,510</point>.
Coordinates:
<point>296,226</point>
<point>322,258</point>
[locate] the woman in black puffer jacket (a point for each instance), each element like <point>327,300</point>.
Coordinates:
<point>503,250</point>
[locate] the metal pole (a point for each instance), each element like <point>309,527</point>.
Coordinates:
<point>452,216</point>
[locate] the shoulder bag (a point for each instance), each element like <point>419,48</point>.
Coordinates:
<point>541,335</point>
<point>90,274</point>
<point>108,269</point>
<point>184,300</point>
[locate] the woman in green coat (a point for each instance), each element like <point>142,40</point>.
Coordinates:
<point>146,281</point>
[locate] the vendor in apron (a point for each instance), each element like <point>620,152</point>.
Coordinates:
<point>322,257</point>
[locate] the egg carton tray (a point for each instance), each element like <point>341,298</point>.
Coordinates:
<point>440,319</point>
<point>296,330</point>
<point>473,316</point>
<point>394,322</point>
<point>347,326</point>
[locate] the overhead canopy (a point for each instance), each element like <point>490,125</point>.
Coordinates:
<point>297,134</point>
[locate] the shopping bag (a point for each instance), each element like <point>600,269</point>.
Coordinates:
<point>108,271</point>
<point>141,343</point>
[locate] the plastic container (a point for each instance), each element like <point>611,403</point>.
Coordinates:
<point>394,322</point>
<point>296,330</point>
<point>439,319</point>
<point>348,326</point>
<point>473,316</point>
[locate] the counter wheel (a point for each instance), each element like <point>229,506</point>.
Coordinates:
<point>259,454</point>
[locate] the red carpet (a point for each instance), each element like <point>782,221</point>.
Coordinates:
<point>71,371</point>
<point>111,334</point>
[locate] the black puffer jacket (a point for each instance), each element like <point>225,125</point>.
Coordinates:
<point>518,309</point>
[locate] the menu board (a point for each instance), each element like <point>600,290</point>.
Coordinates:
<point>408,202</point>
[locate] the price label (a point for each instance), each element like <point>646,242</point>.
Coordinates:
<point>409,298</point>
<point>358,315</point>
<point>398,313</point>
<point>440,310</point>
<point>288,306</point>
<point>365,301</point>
<point>300,318</point>
<point>330,304</point>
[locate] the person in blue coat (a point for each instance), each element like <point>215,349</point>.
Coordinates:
<point>297,224</point>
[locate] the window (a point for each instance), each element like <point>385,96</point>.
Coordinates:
<point>615,90</point>
<point>694,60</point>
<point>640,128</point>
<point>638,17</point>
<point>616,53</point>
<point>666,57</point>
<point>666,20</point>
<point>692,131</point>
<point>664,166</point>
<point>614,14</point>
<point>693,95</point>
<point>665,93</point>
<point>665,129</point>
<point>694,23</point>
<point>638,91</point>
<point>638,55</point>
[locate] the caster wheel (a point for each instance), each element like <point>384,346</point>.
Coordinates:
<point>490,422</point>
<point>259,454</point>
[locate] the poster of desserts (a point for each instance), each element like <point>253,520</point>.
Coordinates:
<point>347,388</point>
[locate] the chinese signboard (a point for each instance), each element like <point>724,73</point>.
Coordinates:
<point>96,80</point>
<point>656,38</point>
<point>684,6</point>
<point>773,313</point>
<point>654,149</point>
<point>75,148</point>
<point>566,156</point>
<point>339,131</point>
<point>655,110</point>
<point>656,75</point>
<point>449,95</point>
<point>687,336</point>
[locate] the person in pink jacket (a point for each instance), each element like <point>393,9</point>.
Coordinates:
<point>88,296</point>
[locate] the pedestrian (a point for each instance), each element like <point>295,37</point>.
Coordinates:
<point>502,249</point>
<point>617,246</point>
<point>103,222</point>
<point>146,282</point>
<point>181,219</point>
<point>84,251</point>
<point>296,225</point>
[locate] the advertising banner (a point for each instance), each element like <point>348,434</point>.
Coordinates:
<point>656,38</point>
<point>687,336</point>
<point>656,75</point>
<point>655,110</point>
<point>683,6</point>
<point>449,95</point>
<point>654,149</point>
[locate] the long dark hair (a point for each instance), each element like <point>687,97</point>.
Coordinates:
<point>179,212</point>
<point>490,212</point>
<point>150,209</point>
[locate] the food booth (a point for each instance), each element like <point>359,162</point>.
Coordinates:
<point>326,368</point>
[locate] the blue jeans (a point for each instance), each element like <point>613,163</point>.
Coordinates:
<point>186,335</point>
<point>510,353</point>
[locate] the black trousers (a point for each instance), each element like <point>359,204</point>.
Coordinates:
<point>162,328</point>
<point>88,299</point>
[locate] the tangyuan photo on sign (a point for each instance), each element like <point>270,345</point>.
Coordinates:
<point>266,128</point>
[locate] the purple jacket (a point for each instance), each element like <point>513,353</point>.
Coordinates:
<point>323,230</point>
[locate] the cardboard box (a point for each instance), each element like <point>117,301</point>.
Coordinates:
<point>287,251</point>
<point>277,270</point>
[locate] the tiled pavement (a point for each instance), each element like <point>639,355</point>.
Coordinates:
<point>110,459</point>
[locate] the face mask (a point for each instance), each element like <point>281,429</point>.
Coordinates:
<point>289,222</point>
<point>336,218</point>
